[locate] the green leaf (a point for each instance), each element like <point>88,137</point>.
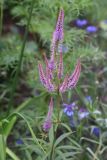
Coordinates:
<point>11,154</point>
<point>69,147</point>
<point>61,155</point>
<point>62,137</point>
<point>92,153</point>
<point>31,131</point>
<point>9,125</point>
<point>2,148</point>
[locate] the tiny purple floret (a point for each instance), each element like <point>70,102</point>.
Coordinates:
<point>81,22</point>
<point>83,113</point>
<point>91,29</point>
<point>96,131</point>
<point>69,109</point>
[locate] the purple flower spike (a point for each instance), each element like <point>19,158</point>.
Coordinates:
<point>60,67</point>
<point>48,121</point>
<point>59,26</point>
<point>49,73</point>
<point>91,29</point>
<point>45,80</point>
<point>64,85</point>
<point>42,75</point>
<point>53,49</point>
<point>81,22</point>
<point>73,79</point>
<point>57,37</point>
<point>54,66</point>
<point>82,114</point>
<point>69,109</point>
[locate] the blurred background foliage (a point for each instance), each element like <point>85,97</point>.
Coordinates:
<point>90,47</point>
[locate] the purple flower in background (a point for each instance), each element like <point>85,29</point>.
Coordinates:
<point>105,21</point>
<point>96,131</point>
<point>81,22</point>
<point>91,29</point>
<point>83,113</point>
<point>88,99</point>
<point>19,141</point>
<point>69,109</point>
<point>65,49</point>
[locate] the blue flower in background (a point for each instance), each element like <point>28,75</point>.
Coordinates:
<point>96,131</point>
<point>81,22</point>
<point>88,99</point>
<point>91,29</point>
<point>64,48</point>
<point>105,21</point>
<point>69,109</point>
<point>83,113</point>
<point>19,142</point>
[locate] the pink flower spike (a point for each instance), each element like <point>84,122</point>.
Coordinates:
<point>42,75</point>
<point>48,121</point>
<point>53,48</point>
<point>73,79</point>
<point>50,86</point>
<point>60,66</point>
<point>57,36</point>
<point>64,85</point>
<point>49,76</point>
<point>59,26</point>
<point>48,70</point>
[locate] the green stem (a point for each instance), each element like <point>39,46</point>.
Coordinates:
<point>16,78</point>
<point>58,106</point>
<point>1,16</point>
<point>2,144</point>
<point>52,151</point>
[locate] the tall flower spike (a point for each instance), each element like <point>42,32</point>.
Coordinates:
<point>57,36</point>
<point>49,73</point>
<point>60,66</point>
<point>42,75</point>
<point>59,26</point>
<point>64,85</point>
<point>48,121</point>
<point>53,48</point>
<point>73,79</point>
<point>49,85</point>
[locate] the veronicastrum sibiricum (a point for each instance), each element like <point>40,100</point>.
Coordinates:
<point>54,66</point>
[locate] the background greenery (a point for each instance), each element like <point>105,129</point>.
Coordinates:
<point>24,120</point>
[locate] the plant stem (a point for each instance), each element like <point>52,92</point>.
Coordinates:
<point>58,106</point>
<point>2,144</point>
<point>1,16</point>
<point>16,78</point>
<point>52,150</point>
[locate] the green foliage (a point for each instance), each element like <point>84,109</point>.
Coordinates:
<point>45,13</point>
<point>24,121</point>
<point>97,11</point>
<point>10,50</point>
